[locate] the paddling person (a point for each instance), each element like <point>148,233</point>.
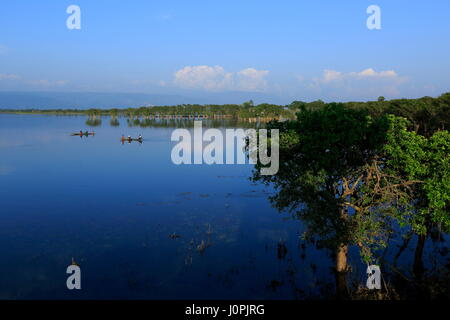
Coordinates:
<point>140,137</point>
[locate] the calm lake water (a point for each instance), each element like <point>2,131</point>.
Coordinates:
<point>113,207</point>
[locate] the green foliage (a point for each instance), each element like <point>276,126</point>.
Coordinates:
<point>248,104</point>
<point>426,160</point>
<point>349,175</point>
<point>323,157</point>
<point>426,115</point>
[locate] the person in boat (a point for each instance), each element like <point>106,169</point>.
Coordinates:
<point>129,138</point>
<point>81,132</point>
<point>140,137</point>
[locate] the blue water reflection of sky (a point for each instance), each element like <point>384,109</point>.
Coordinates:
<point>112,207</point>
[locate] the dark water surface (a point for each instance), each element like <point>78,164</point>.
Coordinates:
<point>113,207</point>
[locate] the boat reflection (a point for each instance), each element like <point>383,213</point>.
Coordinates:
<point>129,139</point>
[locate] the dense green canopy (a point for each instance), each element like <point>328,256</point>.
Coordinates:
<point>349,175</point>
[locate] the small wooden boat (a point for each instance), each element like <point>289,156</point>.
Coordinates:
<point>80,134</point>
<point>129,139</point>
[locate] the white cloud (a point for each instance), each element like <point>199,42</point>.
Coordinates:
<point>333,75</point>
<point>48,83</point>
<point>9,77</point>
<point>13,79</point>
<point>217,79</point>
<point>203,77</point>
<point>372,73</point>
<point>367,83</point>
<point>252,80</point>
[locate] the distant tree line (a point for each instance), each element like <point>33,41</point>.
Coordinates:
<point>425,114</point>
<point>228,111</point>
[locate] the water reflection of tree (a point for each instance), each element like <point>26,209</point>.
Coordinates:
<point>114,122</point>
<point>189,123</point>
<point>94,122</point>
<point>332,177</point>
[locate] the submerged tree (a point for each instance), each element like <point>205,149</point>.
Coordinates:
<point>332,177</point>
<point>114,122</point>
<point>94,122</point>
<point>415,157</point>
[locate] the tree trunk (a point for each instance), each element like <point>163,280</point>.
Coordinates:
<point>418,268</point>
<point>341,259</point>
<point>341,272</point>
<point>402,248</point>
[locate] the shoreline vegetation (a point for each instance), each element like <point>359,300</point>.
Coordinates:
<point>425,114</point>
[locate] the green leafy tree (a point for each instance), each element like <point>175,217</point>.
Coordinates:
<point>248,104</point>
<point>331,176</point>
<point>426,160</point>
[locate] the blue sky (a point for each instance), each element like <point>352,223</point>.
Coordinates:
<point>302,50</point>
